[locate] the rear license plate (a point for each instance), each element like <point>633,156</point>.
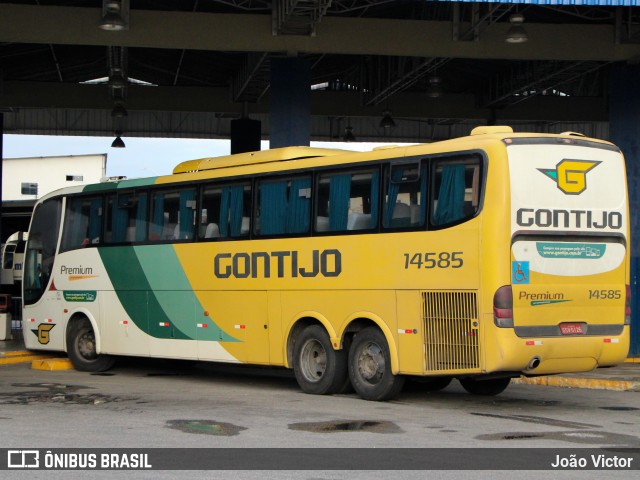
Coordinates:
<point>571,329</point>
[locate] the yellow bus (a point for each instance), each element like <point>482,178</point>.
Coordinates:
<point>481,258</point>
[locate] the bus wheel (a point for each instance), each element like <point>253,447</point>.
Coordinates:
<point>319,369</point>
<point>81,348</point>
<point>370,366</point>
<point>490,387</point>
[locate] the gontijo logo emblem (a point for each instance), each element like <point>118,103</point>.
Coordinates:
<point>571,175</point>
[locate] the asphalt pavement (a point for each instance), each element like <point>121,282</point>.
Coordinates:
<point>623,377</point>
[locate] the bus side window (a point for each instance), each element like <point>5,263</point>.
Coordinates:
<point>404,201</point>
<point>456,190</point>
<point>283,206</point>
<point>82,223</point>
<point>126,218</point>
<point>347,201</point>
<point>7,258</point>
<point>137,230</point>
<point>225,211</point>
<point>173,215</point>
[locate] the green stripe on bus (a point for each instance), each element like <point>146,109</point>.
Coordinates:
<point>156,293</point>
<point>112,186</point>
<point>100,187</point>
<point>134,292</point>
<point>173,291</point>
<point>137,182</point>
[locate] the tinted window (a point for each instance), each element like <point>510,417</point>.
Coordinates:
<point>405,194</point>
<point>41,250</point>
<point>173,215</point>
<point>225,211</point>
<point>126,218</point>
<point>283,206</point>
<point>455,189</point>
<point>82,223</point>
<point>347,201</point>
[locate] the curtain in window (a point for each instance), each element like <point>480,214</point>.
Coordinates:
<point>339,196</point>
<point>273,208</point>
<point>157,225</point>
<point>225,200</point>
<point>423,196</point>
<point>186,219</point>
<point>451,198</point>
<point>119,221</point>
<point>231,211</point>
<point>392,194</point>
<point>141,218</point>
<point>375,198</point>
<point>77,232</point>
<point>95,220</point>
<point>235,210</point>
<point>299,206</point>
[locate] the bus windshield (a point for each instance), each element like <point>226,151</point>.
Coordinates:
<point>41,250</point>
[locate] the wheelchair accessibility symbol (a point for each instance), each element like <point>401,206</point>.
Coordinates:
<point>520,273</point>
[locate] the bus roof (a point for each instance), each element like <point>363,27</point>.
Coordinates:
<point>252,158</point>
<point>276,159</point>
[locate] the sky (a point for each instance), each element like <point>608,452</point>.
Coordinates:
<point>142,157</point>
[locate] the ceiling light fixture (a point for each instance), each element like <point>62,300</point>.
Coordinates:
<point>387,120</point>
<point>112,19</point>
<point>348,135</point>
<point>118,143</point>
<point>516,33</point>
<point>119,110</point>
<point>435,88</point>
<point>117,80</point>
<point>112,22</point>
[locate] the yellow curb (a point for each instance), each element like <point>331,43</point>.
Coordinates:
<point>51,364</point>
<point>594,383</point>
<point>10,360</point>
<point>632,360</point>
<point>17,353</point>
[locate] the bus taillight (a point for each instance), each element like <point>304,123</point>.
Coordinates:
<point>627,306</point>
<point>503,307</point>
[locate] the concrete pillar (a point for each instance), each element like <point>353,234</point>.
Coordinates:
<point>624,120</point>
<point>290,110</point>
<point>245,135</point>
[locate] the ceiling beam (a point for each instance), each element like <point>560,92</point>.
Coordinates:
<point>37,95</point>
<point>337,35</point>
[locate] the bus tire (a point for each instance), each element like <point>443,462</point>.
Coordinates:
<point>81,348</point>
<point>370,366</point>
<point>489,387</point>
<point>319,369</point>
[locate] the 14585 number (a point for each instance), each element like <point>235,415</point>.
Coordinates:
<point>433,260</point>
<point>605,294</point>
